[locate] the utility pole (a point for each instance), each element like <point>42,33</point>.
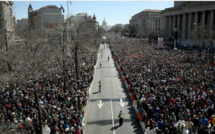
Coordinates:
<point>63,55</point>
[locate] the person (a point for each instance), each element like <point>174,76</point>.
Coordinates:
<point>180,128</point>
<point>100,86</point>
<point>108,58</point>
<point>121,115</point>
<point>185,130</point>
<point>100,64</point>
<point>189,125</point>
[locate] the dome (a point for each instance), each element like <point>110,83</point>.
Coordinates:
<point>104,23</point>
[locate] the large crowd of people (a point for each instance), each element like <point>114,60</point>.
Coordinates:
<point>61,106</point>
<point>174,89</point>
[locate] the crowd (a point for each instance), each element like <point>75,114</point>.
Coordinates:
<point>174,89</point>
<point>62,109</point>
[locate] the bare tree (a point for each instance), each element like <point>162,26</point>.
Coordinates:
<point>32,61</point>
<point>81,39</point>
<point>199,33</point>
<point>143,32</point>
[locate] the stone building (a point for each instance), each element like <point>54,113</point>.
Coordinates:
<point>22,24</point>
<point>45,17</point>
<point>6,23</point>
<point>148,18</point>
<point>105,26</point>
<point>72,23</point>
<point>185,16</point>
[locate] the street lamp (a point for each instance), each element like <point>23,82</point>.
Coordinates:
<point>175,36</point>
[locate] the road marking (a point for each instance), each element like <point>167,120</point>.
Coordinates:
<point>112,116</point>
<point>90,93</point>
<point>100,104</point>
<point>122,103</point>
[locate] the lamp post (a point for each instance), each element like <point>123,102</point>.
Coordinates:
<point>175,36</point>
<point>62,31</point>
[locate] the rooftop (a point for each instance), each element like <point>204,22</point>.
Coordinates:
<point>49,6</point>
<point>148,10</point>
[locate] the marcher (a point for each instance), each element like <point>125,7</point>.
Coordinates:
<point>120,116</point>
<point>173,86</point>
<point>189,125</point>
<point>62,111</point>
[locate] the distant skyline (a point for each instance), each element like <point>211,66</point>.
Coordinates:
<point>114,12</point>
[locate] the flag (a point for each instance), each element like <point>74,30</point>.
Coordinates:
<point>62,8</point>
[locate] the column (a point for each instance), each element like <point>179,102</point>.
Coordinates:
<point>169,28</point>
<point>166,26</point>
<point>211,21</point>
<point>189,24</point>
<point>203,18</point>
<point>183,26</point>
<point>174,19</point>
<point>158,24</point>
<point>196,18</point>
<point>178,25</point>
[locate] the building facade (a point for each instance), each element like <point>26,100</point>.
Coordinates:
<point>6,23</point>
<point>148,18</point>
<point>73,22</point>
<point>45,17</point>
<point>22,24</point>
<point>185,16</point>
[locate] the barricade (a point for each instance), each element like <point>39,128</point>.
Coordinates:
<point>123,77</point>
<point>139,116</point>
<point>132,97</point>
<point>127,85</point>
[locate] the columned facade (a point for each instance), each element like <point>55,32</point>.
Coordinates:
<point>187,16</point>
<point>212,21</point>
<point>187,24</point>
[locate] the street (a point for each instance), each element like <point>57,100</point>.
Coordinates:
<point>104,106</point>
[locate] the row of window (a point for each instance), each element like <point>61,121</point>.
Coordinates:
<point>51,10</point>
<point>147,15</point>
<point>52,17</point>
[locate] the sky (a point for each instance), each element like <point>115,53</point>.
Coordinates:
<point>114,12</point>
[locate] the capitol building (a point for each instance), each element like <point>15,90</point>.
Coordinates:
<point>105,26</point>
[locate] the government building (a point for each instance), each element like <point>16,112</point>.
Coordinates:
<point>185,16</point>
<point>148,18</point>
<point>45,17</point>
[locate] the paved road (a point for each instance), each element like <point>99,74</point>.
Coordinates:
<point>105,120</point>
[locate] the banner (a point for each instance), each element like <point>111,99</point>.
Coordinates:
<point>160,42</point>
